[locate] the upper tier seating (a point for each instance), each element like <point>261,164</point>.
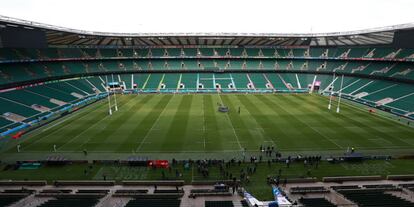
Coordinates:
<point>55,53</point>
<point>21,72</point>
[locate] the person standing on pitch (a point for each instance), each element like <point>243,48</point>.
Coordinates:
<point>18,148</point>
<point>54,148</point>
<point>239,109</point>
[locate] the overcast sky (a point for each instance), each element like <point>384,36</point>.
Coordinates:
<point>259,16</point>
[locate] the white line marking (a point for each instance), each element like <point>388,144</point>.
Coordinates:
<point>231,123</point>
<point>74,138</point>
<point>83,111</point>
<point>70,140</point>
<point>218,151</point>
<point>204,123</point>
<point>65,119</point>
<point>153,125</point>
<point>378,116</point>
<point>323,135</point>
<point>90,137</point>
<point>259,128</point>
<point>315,130</point>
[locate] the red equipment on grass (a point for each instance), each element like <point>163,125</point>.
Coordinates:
<point>158,163</point>
<point>18,135</point>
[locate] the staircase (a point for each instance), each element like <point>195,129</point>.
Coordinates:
<point>306,53</point>
<point>393,54</point>
<point>98,54</point>
<point>30,72</point>
<point>276,54</point>
<point>410,57</point>
<point>102,67</point>
<point>409,114</point>
<point>20,55</point>
<point>325,53</point>
<point>370,54</point>
<point>277,66</point>
<point>60,53</point>
<point>5,75</point>
<point>150,65</point>
<point>345,54</point>
<point>403,73</point>
<point>121,66</point>
<point>136,66</point>
<point>384,70</point>
<point>135,53</point>
<point>84,54</point>
<point>261,53</point>
<point>40,54</point>
<point>47,70</point>
<point>384,101</point>
<point>341,67</point>
<point>244,65</point>
<point>322,66</point>
<point>304,66</point>
<point>290,53</point>
<point>86,66</point>
<point>65,69</point>
<point>31,201</point>
<point>119,53</point>
<point>290,66</point>
<point>359,68</point>
<point>237,204</point>
<point>244,53</point>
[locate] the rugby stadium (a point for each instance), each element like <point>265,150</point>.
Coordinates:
<point>205,119</point>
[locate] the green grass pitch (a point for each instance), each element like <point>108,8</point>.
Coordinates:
<point>167,124</point>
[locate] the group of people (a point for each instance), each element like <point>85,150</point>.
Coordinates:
<point>276,181</point>
<point>269,150</point>
<point>202,168</point>
<point>311,161</point>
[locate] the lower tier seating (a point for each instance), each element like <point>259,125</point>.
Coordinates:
<point>6,200</point>
<point>316,202</point>
<point>154,203</point>
<point>219,204</point>
<point>71,202</point>
<point>375,198</point>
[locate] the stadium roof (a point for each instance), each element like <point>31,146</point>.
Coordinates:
<point>61,36</point>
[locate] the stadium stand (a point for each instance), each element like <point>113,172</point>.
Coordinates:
<point>63,202</point>
<point>154,203</point>
<point>37,83</point>
<point>219,204</point>
<point>375,198</point>
<point>315,202</point>
<point>304,190</point>
<point>7,200</point>
<point>25,104</point>
<point>314,52</point>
